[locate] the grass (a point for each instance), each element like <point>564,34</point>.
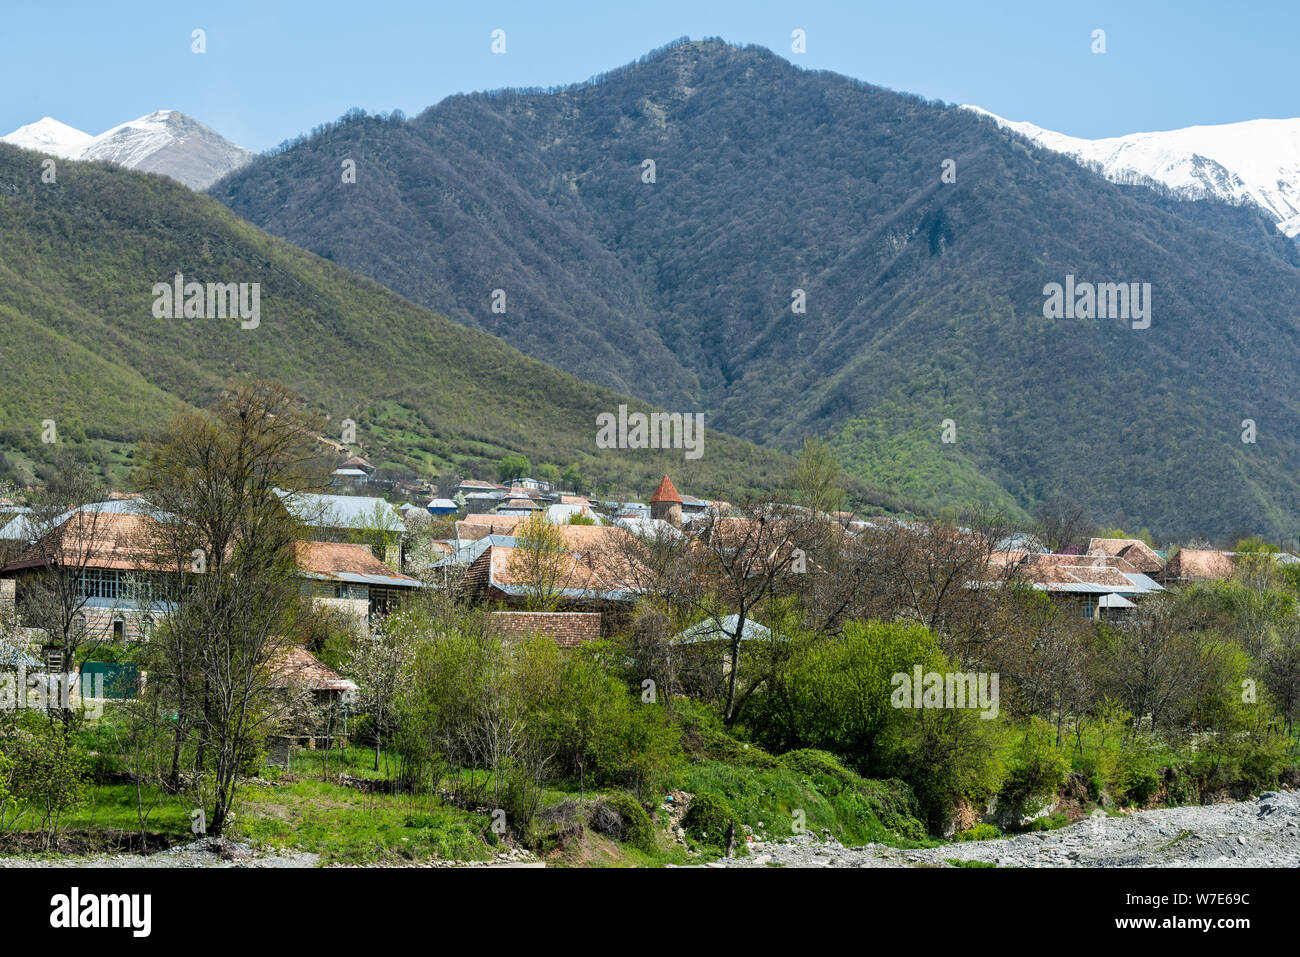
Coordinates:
<point>345,826</point>
<point>768,799</point>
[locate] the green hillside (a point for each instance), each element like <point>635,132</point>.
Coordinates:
<point>79,261</point>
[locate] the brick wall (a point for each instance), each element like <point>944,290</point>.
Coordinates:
<point>565,628</point>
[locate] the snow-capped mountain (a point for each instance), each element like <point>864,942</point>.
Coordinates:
<point>1257,161</point>
<point>165,142</point>
<point>50,136</point>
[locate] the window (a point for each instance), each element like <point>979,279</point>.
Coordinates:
<point>100,583</point>
<point>119,629</point>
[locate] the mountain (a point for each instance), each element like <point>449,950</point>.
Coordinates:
<point>925,300</point>
<point>1256,162</point>
<point>84,348</point>
<point>164,142</point>
<point>49,136</point>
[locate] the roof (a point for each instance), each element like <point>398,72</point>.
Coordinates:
<point>1079,574</point>
<point>1199,563</point>
<point>348,563</point>
<point>666,492</point>
<point>643,527</point>
<point>579,576</point>
<point>96,539</point>
<point>342,511</point>
<point>298,666</point>
<point>356,462</point>
<point>1136,552</point>
<point>561,513</point>
<point>350,472</point>
<point>20,528</point>
<point>476,525</point>
<point>721,630</point>
<point>442,503</point>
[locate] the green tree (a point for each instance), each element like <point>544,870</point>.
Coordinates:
<point>512,467</point>
<point>572,480</point>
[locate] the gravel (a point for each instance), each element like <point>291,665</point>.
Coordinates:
<point>222,852</point>
<point>1260,833</point>
<point>206,852</point>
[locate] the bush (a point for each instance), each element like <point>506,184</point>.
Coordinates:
<point>1137,773</point>
<point>822,766</point>
<point>635,826</point>
<point>707,819</point>
<point>1037,769</point>
<point>980,832</point>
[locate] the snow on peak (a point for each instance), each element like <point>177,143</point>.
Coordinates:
<point>48,135</point>
<point>165,141</point>
<point>130,143</point>
<point>1256,161</point>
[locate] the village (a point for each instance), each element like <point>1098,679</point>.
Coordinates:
<point>361,557</point>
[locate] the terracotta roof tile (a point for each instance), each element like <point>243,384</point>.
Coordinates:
<point>665,492</point>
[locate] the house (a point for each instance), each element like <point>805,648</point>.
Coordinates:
<point>294,670</point>
<point>1022,542</point>
<point>593,570</point>
<point>349,578</point>
<point>347,478</point>
<point>442,506</point>
<point>358,463</point>
<point>1134,551</point>
<point>478,525</point>
<point>1094,586</point>
<point>1197,564</point>
<point>123,584</point>
<point>519,506</point>
<point>561,512</point>
<point>629,510</point>
<point>126,589</point>
<point>360,519</point>
<point>692,507</point>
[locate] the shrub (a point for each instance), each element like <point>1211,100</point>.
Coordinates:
<point>1049,822</point>
<point>980,832</point>
<point>635,826</point>
<point>1037,768</point>
<point>821,766</point>
<point>707,819</point>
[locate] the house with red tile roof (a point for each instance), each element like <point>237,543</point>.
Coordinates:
<point>1197,564</point>
<point>1135,551</point>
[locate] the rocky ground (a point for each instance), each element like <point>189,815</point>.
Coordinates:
<point>220,852</point>
<point>206,852</point>
<point>1260,833</point>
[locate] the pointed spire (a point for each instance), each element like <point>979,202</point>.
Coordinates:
<point>665,492</point>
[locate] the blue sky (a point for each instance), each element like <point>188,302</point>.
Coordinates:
<point>274,68</point>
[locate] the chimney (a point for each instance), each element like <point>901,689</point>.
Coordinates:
<point>666,504</point>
